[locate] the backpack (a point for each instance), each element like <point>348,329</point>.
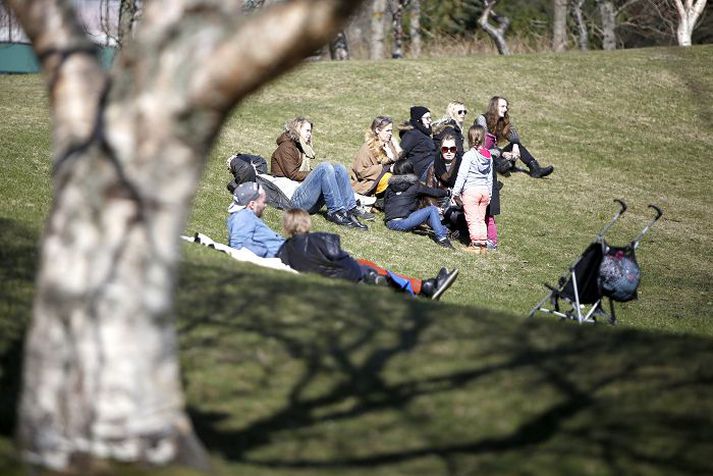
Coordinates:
<point>619,274</point>
<point>244,168</point>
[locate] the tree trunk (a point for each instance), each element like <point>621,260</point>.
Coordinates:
<point>415,28</point>
<point>559,25</point>
<point>339,47</point>
<point>376,43</point>
<point>497,34</point>
<point>582,33</point>
<point>688,15</point>
<point>608,16</point>
<point>101,376</point>
<point>129,12</point>
<point>397,25</point>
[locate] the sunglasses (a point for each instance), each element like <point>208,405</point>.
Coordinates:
<point>452,150</point>
<point>463,111</point>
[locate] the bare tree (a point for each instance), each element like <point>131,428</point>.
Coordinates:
<point>397,27</point>
<point>377,36</point>
<point>689,11</point>
<point>559,25</point>
<point>496,33</point>
<point>101,377</point>
<point>415,28</point>
<point>129,16</point>
<point>607,13</point>
<point>582,31</point>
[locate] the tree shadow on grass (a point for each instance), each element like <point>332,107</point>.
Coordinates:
<point>318,374</point>
<point>18,262</point>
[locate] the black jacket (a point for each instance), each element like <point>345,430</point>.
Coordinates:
<point>319,253</point>
<point>417,147</point>
<point>403,193</point>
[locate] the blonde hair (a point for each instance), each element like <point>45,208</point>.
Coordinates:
<point>296,221</point>
<point>452,110</point>
<point>293,126</point>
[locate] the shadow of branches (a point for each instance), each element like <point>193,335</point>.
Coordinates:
<point>18,261</point>
<point>318,374</point>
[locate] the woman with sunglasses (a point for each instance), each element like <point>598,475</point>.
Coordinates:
<point>442,175</point>
<point>452,123</point>
<point>416,140</point>
<point>496,121</point>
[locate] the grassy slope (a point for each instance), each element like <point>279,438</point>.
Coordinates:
<point>305,375</point>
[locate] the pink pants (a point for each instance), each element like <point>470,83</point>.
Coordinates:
<point>492,229</point>
<point>475,201</point>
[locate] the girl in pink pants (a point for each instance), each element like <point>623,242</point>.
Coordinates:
<point>473,186</point>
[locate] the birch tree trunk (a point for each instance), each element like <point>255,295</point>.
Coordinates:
<point>415,28</point>
<point>582,32</point>
<point>608,16</point>
<point>559,25</point>
<point>497,34</point>
<point>688,14</point>
<point>397,27</point>
<point>101,377</point>
<point>129,12</point>
<point>377,37</point>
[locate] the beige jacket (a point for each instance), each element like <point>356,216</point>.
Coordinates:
<point>369,166</point>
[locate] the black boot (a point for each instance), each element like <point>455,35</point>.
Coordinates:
<point>434,288</point>
<point>538,172</point>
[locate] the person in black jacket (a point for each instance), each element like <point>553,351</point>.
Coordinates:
<point>401,203</point>
<point>321,253</point>
<point>416,140</point>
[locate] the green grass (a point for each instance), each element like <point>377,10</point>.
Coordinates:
<point>293,375</point>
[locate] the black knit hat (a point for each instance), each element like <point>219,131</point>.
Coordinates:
<point>417,112</point>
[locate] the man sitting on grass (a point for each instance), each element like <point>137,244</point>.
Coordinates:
<point>245,228</point>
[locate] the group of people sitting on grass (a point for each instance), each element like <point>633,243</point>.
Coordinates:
<point>428,177</point>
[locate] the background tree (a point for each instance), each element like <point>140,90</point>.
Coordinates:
<point>101,377</point>
<point>689,13</point>
<point>497,33</point>
<point>582,30</point>
<point>559,25</point>
<point>377,33</point>
<point>415,27</point>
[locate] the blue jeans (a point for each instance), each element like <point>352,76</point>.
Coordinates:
<point>326,184</point>
<point>423,215</point>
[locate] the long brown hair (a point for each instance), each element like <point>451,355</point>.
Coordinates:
<point>476,136</point>
<point>371,137</point>
<point>500,126</point>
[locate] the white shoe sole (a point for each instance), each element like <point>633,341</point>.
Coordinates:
<point>446,284</point>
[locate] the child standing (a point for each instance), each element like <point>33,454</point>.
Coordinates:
<point>473,186</point>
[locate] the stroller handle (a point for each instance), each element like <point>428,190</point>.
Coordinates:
<point>658,211</point>
<point>622,205</point>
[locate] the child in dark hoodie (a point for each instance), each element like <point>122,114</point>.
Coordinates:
<point>401,201</point>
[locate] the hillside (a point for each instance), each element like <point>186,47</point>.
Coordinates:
<point>302,375</point>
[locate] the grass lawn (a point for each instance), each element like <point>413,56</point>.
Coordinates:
<point>293,375</point>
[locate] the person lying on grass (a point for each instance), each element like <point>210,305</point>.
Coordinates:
<point>321,253</point>
<point>402,199</point>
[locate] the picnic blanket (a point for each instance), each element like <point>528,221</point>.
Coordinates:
<point>242,254</point>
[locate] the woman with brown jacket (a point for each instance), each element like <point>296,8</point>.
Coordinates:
<point>327,184</point>
<point>372,165</point>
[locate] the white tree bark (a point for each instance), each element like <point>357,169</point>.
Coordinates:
<point>559,25</point>
<point>377,35</point>
<point>101,377</point>
<point>608,16</point>
<point>415,28</point>
<point>397,28</point>
<point>582,32</point>
<point>497,34</point>
<point>688,14</point>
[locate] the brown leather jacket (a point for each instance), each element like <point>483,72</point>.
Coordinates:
<point>287,158</point>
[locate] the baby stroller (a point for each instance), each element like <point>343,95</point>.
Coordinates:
<point>600,271</point>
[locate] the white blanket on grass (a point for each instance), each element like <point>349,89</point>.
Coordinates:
<point>242,254</point>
